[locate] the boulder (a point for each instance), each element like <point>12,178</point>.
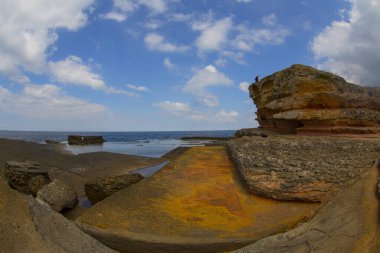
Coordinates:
<point>100,188</point>
<point>303,100</point>
<point>84,140</point>
<point>26,177</point>
<point>28,226</point>
<point>58,195</point>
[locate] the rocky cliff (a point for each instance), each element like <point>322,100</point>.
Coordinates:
<point>301,99</point>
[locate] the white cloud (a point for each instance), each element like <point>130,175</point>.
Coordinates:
<point>168,64</point>
<point>73,71</point>
<point>176,108</point>
<point>243,86</point>
<point>123,8</point>
<point>269,20</point>
<point>184,110</point>
<point>156,6</point>
<point>119,17</point>
<point>244,1</point>
<point>213,35</point>
<point>227,116</point>
<point>153,24</point>
<point>28,31</point>
<point>125,5</point>
<point>248,39</point>
<point>156,42</point>
<point>137,88</point>
<point>204,78</point>
<point>47,102</point>
<point>351,48</point>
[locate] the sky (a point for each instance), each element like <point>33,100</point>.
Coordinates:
<point>164,65</point>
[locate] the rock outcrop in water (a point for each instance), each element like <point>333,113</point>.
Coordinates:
<point>84,140</point>
<point>301,99</point>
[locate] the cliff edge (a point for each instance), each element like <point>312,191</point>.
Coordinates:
<point>304,100</point>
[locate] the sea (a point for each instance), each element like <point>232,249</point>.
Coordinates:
<point>150,144</point>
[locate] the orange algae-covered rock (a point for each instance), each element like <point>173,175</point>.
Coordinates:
<point>301,99</point>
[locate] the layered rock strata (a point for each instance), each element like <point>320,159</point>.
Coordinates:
<point>301,99</point>
<point>306,168</point>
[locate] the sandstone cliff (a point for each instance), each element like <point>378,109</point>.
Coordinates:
<point>301,99</point>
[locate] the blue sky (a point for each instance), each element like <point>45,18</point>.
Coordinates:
<point>144,65</point>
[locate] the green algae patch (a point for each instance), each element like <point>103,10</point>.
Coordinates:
<point>196,202</point>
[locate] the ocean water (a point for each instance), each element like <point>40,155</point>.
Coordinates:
<point>151,144</point>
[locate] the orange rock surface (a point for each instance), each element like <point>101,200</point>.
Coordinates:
<point>195,204</point>
<point>301,99</point>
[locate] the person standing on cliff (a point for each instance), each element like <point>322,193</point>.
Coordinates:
<point>257,79</point>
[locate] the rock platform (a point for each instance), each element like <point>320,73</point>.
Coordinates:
<point>303,168</point>
<point>196,203</point>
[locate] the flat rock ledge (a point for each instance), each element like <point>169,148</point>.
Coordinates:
<point>304,168</point>
<point>348,223</point>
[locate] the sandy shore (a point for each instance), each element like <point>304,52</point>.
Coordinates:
<point>75,170</point>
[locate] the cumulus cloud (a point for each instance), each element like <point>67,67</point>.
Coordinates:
<point>73,71</point>
<point>243,86</point>
<point>176,108</point>
<point>204,78</point>
<point>351,47</point>
<point>156,42</point>
<point>47,102</point>
<point>213,34</point>
<point>28,31</point>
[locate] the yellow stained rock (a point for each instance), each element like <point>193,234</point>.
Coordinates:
<point>197,198</point>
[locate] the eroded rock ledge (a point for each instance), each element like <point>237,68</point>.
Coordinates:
<point>304,100</point>
<point>306,168</point>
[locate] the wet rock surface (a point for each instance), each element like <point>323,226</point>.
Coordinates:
<point>301,99</point>
<point>100,188</point>
<point>27,177</point>
<point>194,204</point>
<point>58,195</point>
<point>300,167</point>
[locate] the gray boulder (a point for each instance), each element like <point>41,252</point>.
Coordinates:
<point>58,195</point>
<point>27,177</point>
<point>28,226</point>
<point>100,188</point>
